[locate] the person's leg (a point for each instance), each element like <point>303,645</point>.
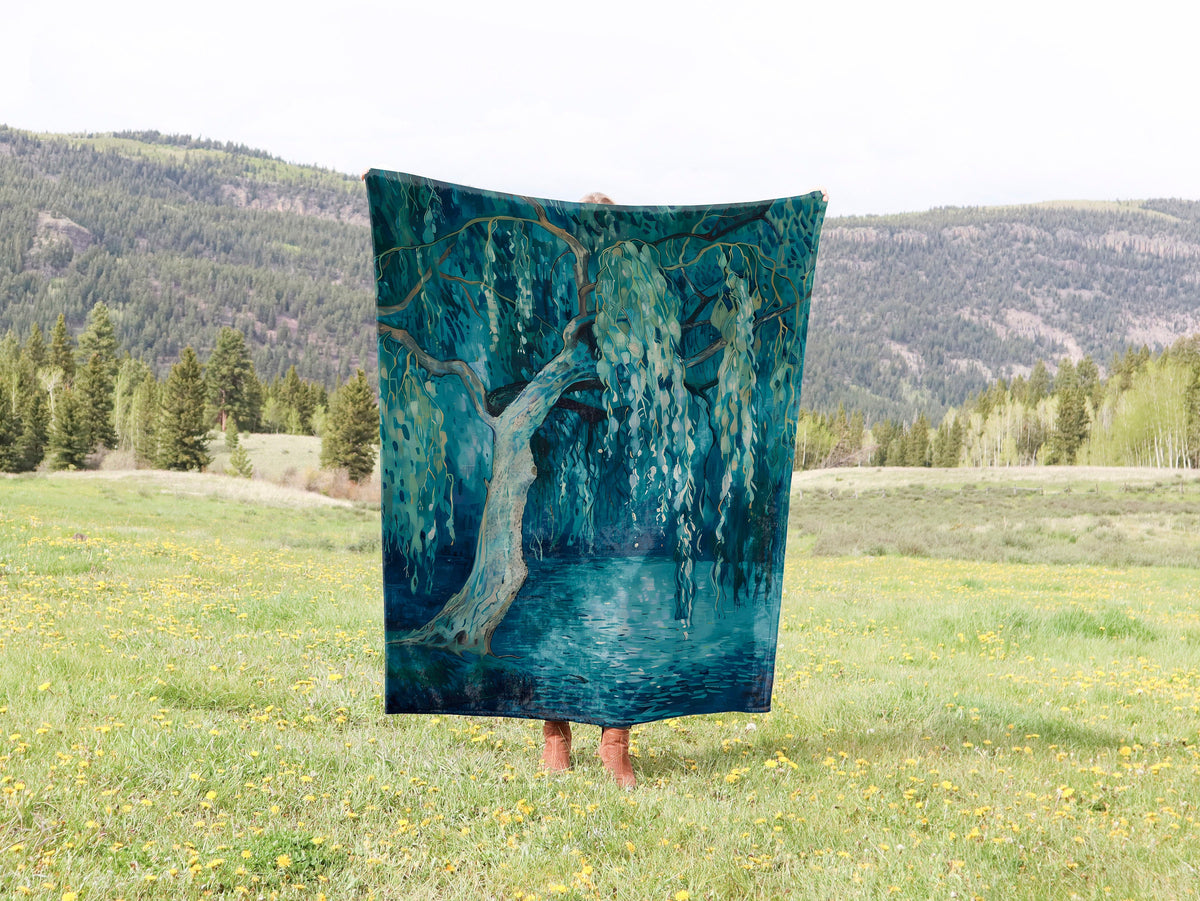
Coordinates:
<point>556,755</point>
<point>614,754</point>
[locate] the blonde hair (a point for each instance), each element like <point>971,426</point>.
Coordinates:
<point>596,197</point>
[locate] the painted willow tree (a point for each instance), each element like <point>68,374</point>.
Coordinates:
<point>583,379</point>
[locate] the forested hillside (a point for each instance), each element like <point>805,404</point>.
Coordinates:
<point>180,238</point>
<point>914,313</point>
<point>911,314</point>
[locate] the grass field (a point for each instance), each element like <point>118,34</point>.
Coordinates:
<point>291,460</point>
<point>190,695</point>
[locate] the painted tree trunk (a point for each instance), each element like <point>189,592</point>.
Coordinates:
<point>470,617</point>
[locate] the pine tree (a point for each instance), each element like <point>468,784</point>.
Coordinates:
<point>1071,424</point>
<point>232,388</point>
<point>62,350</point>
<point>23,411</point>
<point>68,443</point>
<point>36,351</point>
<point>94,390</point>
<point>351,429</point>
<point>239,460</point>
<point>9,432</point>
<point>143,421</point>
<point>35,432</point>
<point>298,403</point>
<point>231,434</point>
<point>884,434</point>
<point>99,338</point>
<point>97,376</point>
<point>182,431</point>
<point>947,443</point>
<point>1038,386</point>
<point>958,437</point>
<point>917,451</point>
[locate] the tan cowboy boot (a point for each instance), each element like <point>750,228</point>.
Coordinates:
<point>614,754</point>
<point>556,756</point>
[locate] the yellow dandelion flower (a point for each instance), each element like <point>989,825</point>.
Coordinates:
<point>682,895</point>
<point>283,861</point>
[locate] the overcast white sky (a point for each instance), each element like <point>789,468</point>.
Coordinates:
<point>889,106</point>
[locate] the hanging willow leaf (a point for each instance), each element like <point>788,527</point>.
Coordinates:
<point>419,482</point>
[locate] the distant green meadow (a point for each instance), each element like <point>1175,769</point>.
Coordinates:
<point>987,687</point>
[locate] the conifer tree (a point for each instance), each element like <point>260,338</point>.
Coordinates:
<point>62,350</point>
<point>1038,386</point>
<point>94,391</point>
<point>958,437</point>
<point>884,433</point>
<point>948,442</point>
<point>232,388</point>
<point>917,450</point>
<point>1087,375</point>
<point>99,338</point>
<point>182,430</point>
<point>351,429</point>
<point>231,434</point>
<point>298,403</point>
<point>35,432</point>
<point>97,376</point>
<point>36,351</point>
<point>239,460</point>
<point>1071,424</point>
<point>22,409</point>
<point>143,421</point>
<point>9,431</point>
<point>68,443</point>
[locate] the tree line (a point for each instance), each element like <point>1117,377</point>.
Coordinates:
<point>68,400</point>
<point>1146,412</point>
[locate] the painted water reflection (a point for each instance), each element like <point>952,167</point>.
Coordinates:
<point>594,640</point>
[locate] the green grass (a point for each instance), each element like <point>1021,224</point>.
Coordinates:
<point>274,457</point>
<point>1068,515</point>
<point>190,696</point>
<point>290,459</point>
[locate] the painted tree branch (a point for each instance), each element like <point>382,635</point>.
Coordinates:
<point>416,289</point>
<point>434,366</point>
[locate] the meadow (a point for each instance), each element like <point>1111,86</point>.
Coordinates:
<point>988,686</point>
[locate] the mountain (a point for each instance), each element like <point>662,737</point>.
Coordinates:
<point>914,312</point>
<point>181,237</point>
<point>911,313</point>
